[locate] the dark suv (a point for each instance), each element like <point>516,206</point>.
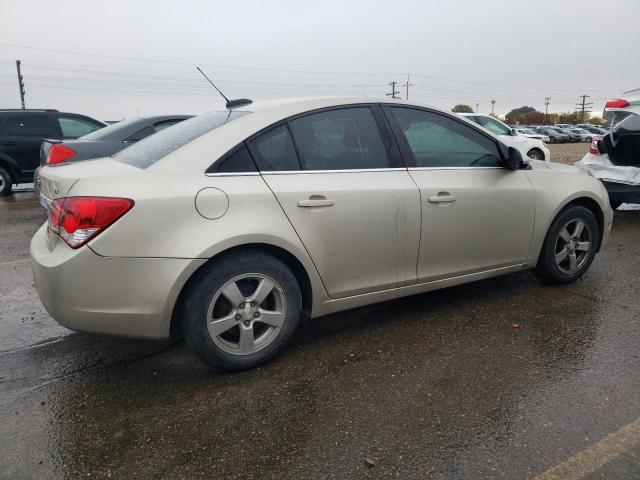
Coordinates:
<point>22,132</point>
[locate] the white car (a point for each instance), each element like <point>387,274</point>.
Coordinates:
<point>232,226</point>
<point>526,132</point>
<point>528,147</point>
<point>615,159</point>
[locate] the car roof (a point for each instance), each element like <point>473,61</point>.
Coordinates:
<point>263,114</point>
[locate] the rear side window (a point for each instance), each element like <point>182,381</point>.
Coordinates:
<point>76,127</point>
<point>30,126</point>
<point>434,140</point>
<point>162,125</point>
<point>148,151</point>
<point>341,139</point>
<point>274,151</point>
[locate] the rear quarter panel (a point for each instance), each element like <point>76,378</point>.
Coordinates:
<point>165,222</point>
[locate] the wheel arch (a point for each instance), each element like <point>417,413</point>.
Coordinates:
<point>595,208</point>
<point>584,201</point>
<point>10,166</point>
<point>539,150</point>
<point>282,254</point>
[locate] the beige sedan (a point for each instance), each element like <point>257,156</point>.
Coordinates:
<point>230,227</point>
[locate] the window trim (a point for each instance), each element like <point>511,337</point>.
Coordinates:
<point>394,155</point>
<point>405,150</point>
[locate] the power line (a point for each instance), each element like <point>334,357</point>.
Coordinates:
<point>237,67</point>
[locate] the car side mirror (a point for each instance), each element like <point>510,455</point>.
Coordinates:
<point>514,132</point>
<point>514,159</point>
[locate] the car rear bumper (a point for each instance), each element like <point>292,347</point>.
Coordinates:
<point>131,297</point>
<point>623,192</point>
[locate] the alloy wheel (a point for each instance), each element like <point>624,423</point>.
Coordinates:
<point>246,314</point>
<point>573,246</point>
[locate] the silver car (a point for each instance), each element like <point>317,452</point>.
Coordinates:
<point>230,227</point>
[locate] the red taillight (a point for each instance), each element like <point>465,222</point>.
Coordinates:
<point>617,103</point>
<point>593,148</point>
<point>79,219</point>
<point>59,153</point>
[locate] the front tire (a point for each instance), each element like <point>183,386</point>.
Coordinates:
<point>241,310</point>
<point>535,154</point>
<point>570,246</point>
<point>6,182</point>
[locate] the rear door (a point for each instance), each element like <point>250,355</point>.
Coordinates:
<point>338,176</point>
<point>24,134</point>
<point>476,215</point>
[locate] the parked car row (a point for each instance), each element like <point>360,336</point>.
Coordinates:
<point>562,132</point>
<point>31,138</point>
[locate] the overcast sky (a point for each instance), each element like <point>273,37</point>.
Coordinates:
<point>116,59</point>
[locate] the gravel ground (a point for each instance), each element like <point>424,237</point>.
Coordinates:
<point>568,152</point>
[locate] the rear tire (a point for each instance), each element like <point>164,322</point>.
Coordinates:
<point>6,182</point>
<point>241,310</point>
<point>570,246</point>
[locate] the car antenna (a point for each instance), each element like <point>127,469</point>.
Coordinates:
<point>231,104</point>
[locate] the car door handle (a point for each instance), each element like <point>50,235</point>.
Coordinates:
<point>315,202</point>
<point>442,197</point>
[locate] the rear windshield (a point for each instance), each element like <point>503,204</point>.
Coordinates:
<point>148,151</point>
<point>108,130</point>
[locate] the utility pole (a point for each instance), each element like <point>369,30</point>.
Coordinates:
<point>20,83</point>
<point>584,106</point>
<point>394,92</point>
<point>546,108</point>
<point>477,104</point>
<point>407,85</point>
<point>493,104</point>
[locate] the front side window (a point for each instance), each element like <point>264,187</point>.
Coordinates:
<point>434,140</point>
<point>341,139</point>
<point>493,126</point>
<point>76,127</point>
<point>30,126</point>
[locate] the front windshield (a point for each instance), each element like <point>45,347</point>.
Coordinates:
<point>108,130</point>
<point>151,149</point>
<point>528,131</point>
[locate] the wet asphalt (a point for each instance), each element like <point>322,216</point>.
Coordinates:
<point>502,378</point>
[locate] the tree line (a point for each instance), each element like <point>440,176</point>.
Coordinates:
<point>530,116</point>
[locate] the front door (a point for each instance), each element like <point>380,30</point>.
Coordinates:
<point>476,215</point>
<point>354,207</point>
